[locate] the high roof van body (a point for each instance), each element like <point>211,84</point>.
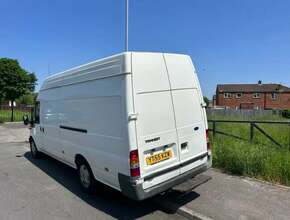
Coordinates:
<point>134,121</point>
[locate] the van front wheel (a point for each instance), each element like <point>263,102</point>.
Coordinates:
<point>86,178</point>
<point>33,150</point>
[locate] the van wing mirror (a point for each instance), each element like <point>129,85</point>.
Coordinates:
<point>25,119</point>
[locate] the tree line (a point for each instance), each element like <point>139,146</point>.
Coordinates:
<point>15,82</point>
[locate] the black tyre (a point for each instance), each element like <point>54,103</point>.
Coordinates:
<point>33,150</point>
<point>86,177</point>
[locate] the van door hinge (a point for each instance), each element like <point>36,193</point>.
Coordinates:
<point>132,117</point>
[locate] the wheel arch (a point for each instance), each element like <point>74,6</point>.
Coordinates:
<point>80,158</point>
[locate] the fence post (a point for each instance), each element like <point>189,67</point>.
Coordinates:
<point>214,128</point>
<point>251,131</point>
<point>289,136</point>
<point>12,111</point>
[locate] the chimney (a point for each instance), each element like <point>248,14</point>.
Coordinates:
<point>260,82</point>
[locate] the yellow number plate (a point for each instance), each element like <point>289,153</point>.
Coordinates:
<point>158,157</point>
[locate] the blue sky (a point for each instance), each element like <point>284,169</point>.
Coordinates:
<point>230,41</point>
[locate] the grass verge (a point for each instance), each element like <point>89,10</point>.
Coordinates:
<point>5,115</point>
<point>260,159</point>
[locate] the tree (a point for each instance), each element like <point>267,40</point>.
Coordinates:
<point>206,100</point>
<point>27,99</point>
<point>14,81</point>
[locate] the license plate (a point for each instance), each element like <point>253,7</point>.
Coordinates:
<point>158,157</point>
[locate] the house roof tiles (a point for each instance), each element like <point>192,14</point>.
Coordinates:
<point>272,87</point>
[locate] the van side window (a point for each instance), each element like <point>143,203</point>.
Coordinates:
<point>36,112</point>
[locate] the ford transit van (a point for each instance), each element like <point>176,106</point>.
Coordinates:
<point>133,121</point>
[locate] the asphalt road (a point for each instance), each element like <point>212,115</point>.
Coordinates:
<point>47,189</point>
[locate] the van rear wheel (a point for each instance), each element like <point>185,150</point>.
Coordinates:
<point>86,178</point>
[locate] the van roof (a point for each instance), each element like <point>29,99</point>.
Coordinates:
<point>109,66</point>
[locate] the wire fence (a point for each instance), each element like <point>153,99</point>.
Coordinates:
<point>281,128</point>
<point>241,113</point>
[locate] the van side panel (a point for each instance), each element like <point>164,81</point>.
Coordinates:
<point>84,111</point>
<point>98,108</point>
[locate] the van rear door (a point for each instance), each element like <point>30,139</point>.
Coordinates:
<point>189,113</point>
<point>156,131</point>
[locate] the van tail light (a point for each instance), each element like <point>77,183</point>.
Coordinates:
<point>134,164</point>
<point>207,140</point>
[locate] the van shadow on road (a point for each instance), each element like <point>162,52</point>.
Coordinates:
<point>106,199</point>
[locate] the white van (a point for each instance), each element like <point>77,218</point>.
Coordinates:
<point>134,121</point>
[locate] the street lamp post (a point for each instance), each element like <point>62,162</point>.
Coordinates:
<point>127,26</point>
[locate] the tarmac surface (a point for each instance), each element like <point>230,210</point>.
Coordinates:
<point>47,189</point>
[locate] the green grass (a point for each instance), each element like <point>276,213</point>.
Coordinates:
<point>261,159</point>
<point>5,115</point>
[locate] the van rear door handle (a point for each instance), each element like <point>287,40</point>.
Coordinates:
<point>132,117</point>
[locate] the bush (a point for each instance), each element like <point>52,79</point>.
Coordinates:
<point>286,113</point>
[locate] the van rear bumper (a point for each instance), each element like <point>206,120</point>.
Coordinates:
<point>136,191</point>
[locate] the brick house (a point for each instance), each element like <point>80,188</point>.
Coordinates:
<point>253,96</point>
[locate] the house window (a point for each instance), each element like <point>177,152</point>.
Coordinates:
<point>238,95</point>
<point>274,96</point>
<point>256,95</point>
<point>227,95</point>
